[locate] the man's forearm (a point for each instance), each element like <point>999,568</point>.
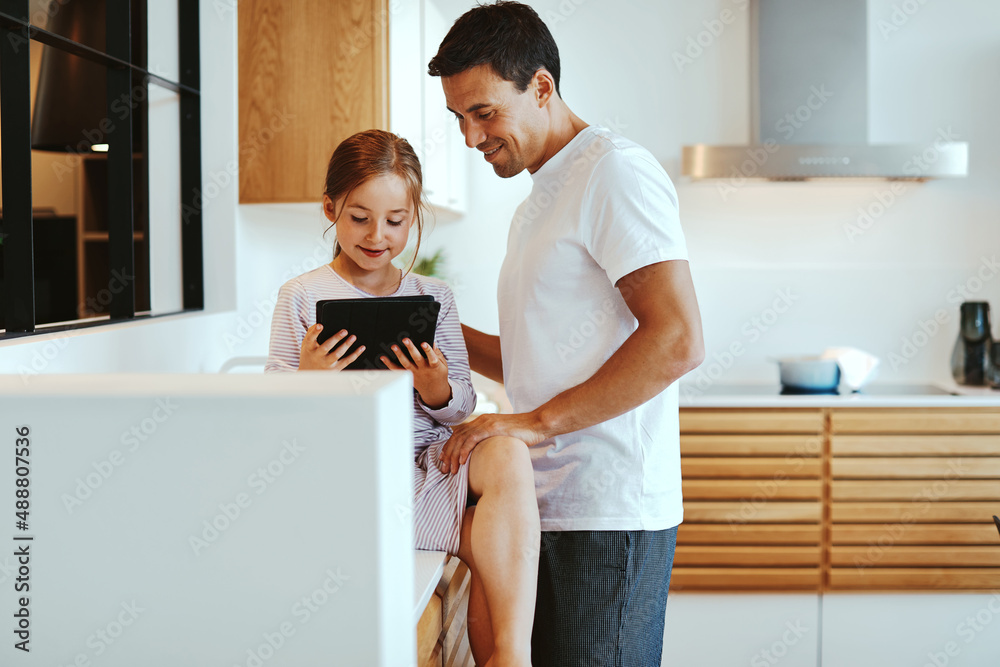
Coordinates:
<point>484,353</point>
<point>646,364</point>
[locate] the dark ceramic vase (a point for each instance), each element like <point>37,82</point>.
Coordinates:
<point>993,372</point>
<point>970,360</point>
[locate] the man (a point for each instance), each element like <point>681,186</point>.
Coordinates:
<point>598,319</point>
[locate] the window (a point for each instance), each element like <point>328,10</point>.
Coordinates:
<point>101,162</point>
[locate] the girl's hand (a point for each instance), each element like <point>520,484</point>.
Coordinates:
<point>324,356</point>
<point>430,374</point>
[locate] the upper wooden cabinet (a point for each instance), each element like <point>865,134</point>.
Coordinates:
<point>310,75</point>
<point>314,73</point>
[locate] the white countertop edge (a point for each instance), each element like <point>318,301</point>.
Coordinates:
<point>969,397</point>
<point>352,384</point>
<point>427,570</point>
<point>971,391</point>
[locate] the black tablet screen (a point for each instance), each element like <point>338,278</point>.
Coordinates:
<point>379,323</point>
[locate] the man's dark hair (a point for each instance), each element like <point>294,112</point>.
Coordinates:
<point>507,36</point>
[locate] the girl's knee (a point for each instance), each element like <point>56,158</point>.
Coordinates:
<point>506,459</point>
<point>504,451</point>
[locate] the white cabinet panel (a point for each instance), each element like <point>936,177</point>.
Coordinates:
<point>957,630</point>
<point>417,109</point>
<point>758,630</point>
<point>407,70</point>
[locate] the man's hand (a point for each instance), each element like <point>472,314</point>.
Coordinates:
<point>465,437</point>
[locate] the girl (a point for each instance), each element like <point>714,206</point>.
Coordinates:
<point>373,199</point>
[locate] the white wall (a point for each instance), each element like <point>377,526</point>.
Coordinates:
<point>277,242</point>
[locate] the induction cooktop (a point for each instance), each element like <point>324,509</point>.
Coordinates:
<point>870,390</point>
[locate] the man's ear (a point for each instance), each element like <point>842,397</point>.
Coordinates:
<point>544,86</point>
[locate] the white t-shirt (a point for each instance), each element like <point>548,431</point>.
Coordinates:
<point>599,209</point>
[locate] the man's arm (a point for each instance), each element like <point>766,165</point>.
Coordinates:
<point>484,353</point>
<point>666,344</point>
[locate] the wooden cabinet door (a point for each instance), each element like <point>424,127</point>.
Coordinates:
<point>753,496</point>
<point>912,497</point>
<point>310,75</point>
<point>839,499</point>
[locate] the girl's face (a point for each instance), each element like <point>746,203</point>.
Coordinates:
<point>374,222</point>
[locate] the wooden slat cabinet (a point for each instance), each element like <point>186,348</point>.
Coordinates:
<point>753,495</point>
<point>442,632</point>
<point>766,421</point>
<point>912,494</point>
<point>839,499</point>
<point>917,422</point>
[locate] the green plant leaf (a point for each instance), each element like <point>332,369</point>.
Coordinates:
<point>430,266</point>
<point>425,266</point>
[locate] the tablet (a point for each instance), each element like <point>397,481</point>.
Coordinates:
<point>379,323</point>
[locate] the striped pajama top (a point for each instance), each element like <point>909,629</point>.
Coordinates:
<point>439,500</point>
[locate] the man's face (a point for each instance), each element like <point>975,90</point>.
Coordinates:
<point>496,119</point>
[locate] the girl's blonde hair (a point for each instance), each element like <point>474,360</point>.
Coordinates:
<point>371,154</point>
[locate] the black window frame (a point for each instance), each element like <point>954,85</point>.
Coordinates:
<point>15,136</point>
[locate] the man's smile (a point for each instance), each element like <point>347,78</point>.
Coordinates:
<point>490,153</point>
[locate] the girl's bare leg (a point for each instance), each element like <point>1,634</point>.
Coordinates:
<point>480,625</point>
<point>504,539</point>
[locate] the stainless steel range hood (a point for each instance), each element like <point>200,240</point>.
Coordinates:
<point>809,105</point>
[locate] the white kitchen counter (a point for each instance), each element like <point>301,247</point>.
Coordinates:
<point>751,396</point>
<point>235,517</point>
<point>427,571</point>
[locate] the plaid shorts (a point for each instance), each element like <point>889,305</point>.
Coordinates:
<point>602,598</point>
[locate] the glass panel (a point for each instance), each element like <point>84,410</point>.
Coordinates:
<point>85,22</point>
<point>70,121</point>
<point>70,124</point>
<point>163,42</point>
<point>165,199</point>
<point>140,32</point>
<point>140,193</point>
<point>54,225</point>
